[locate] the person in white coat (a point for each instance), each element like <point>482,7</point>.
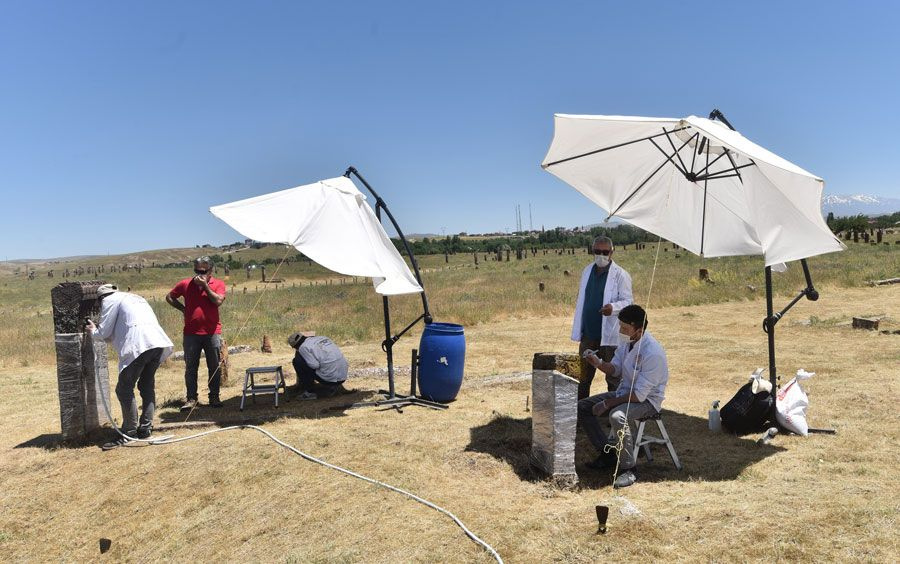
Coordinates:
<point>128,321</point>
<point>604,290</point>
<point>643,369</point>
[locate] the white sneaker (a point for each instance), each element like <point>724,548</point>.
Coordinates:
<point>307,396</point>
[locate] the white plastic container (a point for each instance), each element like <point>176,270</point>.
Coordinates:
<point>715,420</point>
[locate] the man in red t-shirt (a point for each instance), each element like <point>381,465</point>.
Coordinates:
<point>203,295</point>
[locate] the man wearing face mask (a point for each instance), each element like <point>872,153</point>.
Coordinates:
<point>203,295</point>
<point>644,372</point>
<point>604,290</point>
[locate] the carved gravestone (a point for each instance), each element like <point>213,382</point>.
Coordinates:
<point>82,366</point>
<point>554,392</point>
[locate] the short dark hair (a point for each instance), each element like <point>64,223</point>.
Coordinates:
<point>633,315</point>
<point>602,239</point>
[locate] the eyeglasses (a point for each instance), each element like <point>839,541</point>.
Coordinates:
<point>605,252</point>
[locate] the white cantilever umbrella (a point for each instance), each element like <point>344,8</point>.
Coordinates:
<point>701,185</point>
<point>330,222</point>
<point>695,182</point>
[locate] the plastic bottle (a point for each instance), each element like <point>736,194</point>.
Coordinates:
<point>715,421</point>
<point>767,437</point>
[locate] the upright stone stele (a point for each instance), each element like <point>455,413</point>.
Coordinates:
<point>554,392</point>
<point>82,365</point>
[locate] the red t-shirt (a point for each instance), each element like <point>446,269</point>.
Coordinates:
<point>201,316</point>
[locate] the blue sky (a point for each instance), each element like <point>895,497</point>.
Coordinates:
<point>123,122</point>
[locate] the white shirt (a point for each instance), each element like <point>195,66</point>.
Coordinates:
<point>617,293</point>
<point>644,364</point>
<point>129,322</point>
<point>323,356</point>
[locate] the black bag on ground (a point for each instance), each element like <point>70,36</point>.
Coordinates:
<point>747,412</point>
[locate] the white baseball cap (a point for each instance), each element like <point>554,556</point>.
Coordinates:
<point>106,290</point>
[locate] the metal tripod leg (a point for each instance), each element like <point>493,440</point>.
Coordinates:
<point>398,402</point>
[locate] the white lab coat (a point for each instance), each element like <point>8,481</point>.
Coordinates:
<point>128,321</point>
<point>616,292</point>
<point>644,370</point>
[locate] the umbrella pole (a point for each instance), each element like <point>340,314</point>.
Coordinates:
<point>769,327</point>
<point>392,399</point>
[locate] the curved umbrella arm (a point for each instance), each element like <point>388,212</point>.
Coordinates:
<point>381,205</point>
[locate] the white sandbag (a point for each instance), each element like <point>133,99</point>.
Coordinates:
<point>758,383</point>
<point>791,403</point>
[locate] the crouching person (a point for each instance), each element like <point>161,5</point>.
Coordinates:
<point>640,362</point>
<point>321,367</point>
<point>129,322</point>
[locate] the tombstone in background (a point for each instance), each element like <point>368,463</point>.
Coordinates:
<point>82,367</point>
<point>554,392</point>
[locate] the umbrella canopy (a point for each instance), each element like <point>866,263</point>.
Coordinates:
<point>694,182</point>
<point>330,222</point>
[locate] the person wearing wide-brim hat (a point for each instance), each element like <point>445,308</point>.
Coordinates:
<point>321,367</point>
<point>128,321</point>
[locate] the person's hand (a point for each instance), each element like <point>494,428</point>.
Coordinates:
<point>606,310</point>
<point>89,326</point>
<point>600,408</point>
<point>200,280</point>
<point>591,358</point>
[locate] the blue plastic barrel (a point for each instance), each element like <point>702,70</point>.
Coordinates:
<point>442,354</point>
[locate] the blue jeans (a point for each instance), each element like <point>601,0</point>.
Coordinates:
<point>209,344</point>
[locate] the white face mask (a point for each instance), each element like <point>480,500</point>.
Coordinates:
<point>624,339</point>
<point>601,260</point>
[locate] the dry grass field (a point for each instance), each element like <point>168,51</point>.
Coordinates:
<point>237,496</point>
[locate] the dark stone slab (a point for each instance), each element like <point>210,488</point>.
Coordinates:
<point>566,363</point>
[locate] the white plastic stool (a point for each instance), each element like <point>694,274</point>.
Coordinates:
<point>251,386</point>
<point>642,440</point>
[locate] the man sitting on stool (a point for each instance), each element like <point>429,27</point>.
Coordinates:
<point>318,360</point>
<point>640,362</point>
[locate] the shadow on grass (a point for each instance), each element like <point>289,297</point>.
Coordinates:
<point>705,455</point>
<point>54,441</point>
<point>262,410</point>
<point>47,441</point>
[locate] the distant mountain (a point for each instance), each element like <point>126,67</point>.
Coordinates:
<point>859,204</point>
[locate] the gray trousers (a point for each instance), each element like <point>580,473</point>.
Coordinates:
<point>593,425</point>
<point>142,371</point>
<point>193,346</point>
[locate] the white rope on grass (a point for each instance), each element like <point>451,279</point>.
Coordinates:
<point>169,440</point>
<point>311,458</point>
